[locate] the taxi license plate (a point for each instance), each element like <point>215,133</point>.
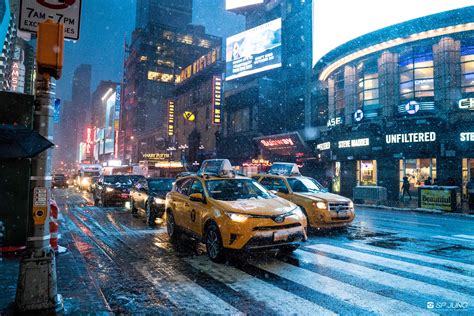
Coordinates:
<point>281,235</point>
<point>342,214</point>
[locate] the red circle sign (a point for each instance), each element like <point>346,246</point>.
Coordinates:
<point>61,4</point>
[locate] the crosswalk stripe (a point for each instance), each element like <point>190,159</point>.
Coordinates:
<point>372,302</point>
<point>275,298</point>
<point>409,255</point>
<point>465,236</point>
<point>184,293</point>
<point>409,286</point>
<point>438,274</point>
<point>455,239</point>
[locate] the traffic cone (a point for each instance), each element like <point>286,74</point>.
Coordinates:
<point>53,225</point>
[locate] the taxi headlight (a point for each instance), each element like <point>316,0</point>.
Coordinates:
<point>158,201</point>
<point>320,205</point>
<point>240,218</point>
<point>109,190</point>
<point>351,205</point>
<point>86,181</point>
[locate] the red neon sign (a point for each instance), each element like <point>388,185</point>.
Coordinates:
<point>278,142</point>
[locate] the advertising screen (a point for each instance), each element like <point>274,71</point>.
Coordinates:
<point>254,50</point>
<point>234,4</point>
<point>336,22</point>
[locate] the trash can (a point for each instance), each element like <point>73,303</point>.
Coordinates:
<point>444,198</point>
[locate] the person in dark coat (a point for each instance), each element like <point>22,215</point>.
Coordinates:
<point>406,187</point>
<point>428,181</point>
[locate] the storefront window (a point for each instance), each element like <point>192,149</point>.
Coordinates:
<point>467,173</point>
<point>366,172</point>
<point>336,181</point>
<point>417,171</point>
<point>467,67</point>
<point>416,76</point>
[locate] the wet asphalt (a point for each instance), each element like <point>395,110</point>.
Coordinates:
<point>387,262</point>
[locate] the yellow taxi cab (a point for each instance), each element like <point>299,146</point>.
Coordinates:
<point>231,212</point>
<point>323,210</point>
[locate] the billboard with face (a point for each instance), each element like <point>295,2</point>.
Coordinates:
<point>254,50</point>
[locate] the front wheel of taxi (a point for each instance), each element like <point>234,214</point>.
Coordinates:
<point>215,250</point>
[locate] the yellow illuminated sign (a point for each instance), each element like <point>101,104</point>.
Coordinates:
<point>189,116</point>
<point>216,100</point>
<point>170,117</point>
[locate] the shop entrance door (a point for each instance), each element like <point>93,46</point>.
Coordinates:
<point>467,174</point>
<point>367,172</point>
<point>417,171</point>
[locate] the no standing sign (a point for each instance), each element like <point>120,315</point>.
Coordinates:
<point>67,12</point>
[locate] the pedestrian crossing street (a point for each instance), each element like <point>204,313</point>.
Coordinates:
<point>324,279</point>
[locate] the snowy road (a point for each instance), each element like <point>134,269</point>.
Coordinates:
<point>386,263</point>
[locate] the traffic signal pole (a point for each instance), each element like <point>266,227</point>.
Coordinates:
<point>37,282</point>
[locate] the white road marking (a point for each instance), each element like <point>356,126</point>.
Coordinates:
<point>280,301</point>
<point>409,286</point>
<point>186,294</point>
<point>437,274</point>
<point>367,300</point>
<point>414,256</point>
<point>455,239</point>
<point>404,222</point>
<point>465,236</point>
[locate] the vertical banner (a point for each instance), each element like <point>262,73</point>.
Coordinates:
<point>170,117</point>
<point>118,91</point>
<point>216,100</point>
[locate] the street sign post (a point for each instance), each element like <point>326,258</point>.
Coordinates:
<point>67,12</point>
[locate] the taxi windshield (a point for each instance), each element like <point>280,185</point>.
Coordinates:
<point>304,184</point>
<point>236,189</point>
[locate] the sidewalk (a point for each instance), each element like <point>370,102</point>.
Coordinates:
<point>412,206</point>
<point>80,294</point>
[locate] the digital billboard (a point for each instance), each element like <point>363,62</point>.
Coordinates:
<point>234,4</point>
<point>253,51</point>
<point>336,22</point>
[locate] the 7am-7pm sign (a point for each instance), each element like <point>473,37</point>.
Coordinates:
<point>67,12</point>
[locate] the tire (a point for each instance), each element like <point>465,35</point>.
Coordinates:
<point>288,249</point>
<point>213,241</point>
<point>133,209</point>
<point>150,214</point>
<point>96,202</point>
<point>171,228</point>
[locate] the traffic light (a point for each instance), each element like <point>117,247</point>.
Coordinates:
<point>50,48</point>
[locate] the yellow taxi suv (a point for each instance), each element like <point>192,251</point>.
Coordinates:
<point>231,212</point>
<point>323,210</point>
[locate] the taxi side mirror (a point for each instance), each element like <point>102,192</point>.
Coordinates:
<point>197,197</point>
<point>283,190</point>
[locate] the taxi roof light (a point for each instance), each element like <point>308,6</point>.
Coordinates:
<point>217,167</point>
<point>284,168</point>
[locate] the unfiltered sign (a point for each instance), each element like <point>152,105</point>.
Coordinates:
<point>409,138</point>
<point>436,199</point>
<point>170,117</point>
<point>216,100</point>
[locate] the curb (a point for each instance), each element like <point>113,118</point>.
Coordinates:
<point>419,210</point>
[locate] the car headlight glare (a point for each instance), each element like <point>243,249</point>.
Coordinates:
<point>240,218</point>
<point>321,205</point>
<point>159,201</point>
<point>86,181</point>
<point>109,189</point>
<point>351,205</point>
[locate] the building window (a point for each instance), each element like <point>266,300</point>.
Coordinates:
<point>366,172</point>
<point>417,171</point>
<point>336,92</point>
<point>368,89</point>
<point>467,68</point>
<point>416,76</point>
<point>240,120</point>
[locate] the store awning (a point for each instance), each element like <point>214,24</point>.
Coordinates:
<point>288,144</point>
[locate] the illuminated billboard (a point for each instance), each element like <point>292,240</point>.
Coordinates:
<point>254,51</point>
<point>234,4</point>
<point>371,15</point>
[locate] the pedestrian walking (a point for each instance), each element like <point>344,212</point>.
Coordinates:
<point>406,188</point>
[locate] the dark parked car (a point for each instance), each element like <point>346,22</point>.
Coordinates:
<point>59,181</point>
<point>149,196</point>
<point>112,190</point>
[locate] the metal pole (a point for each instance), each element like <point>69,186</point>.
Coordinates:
<point>37,283</point>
